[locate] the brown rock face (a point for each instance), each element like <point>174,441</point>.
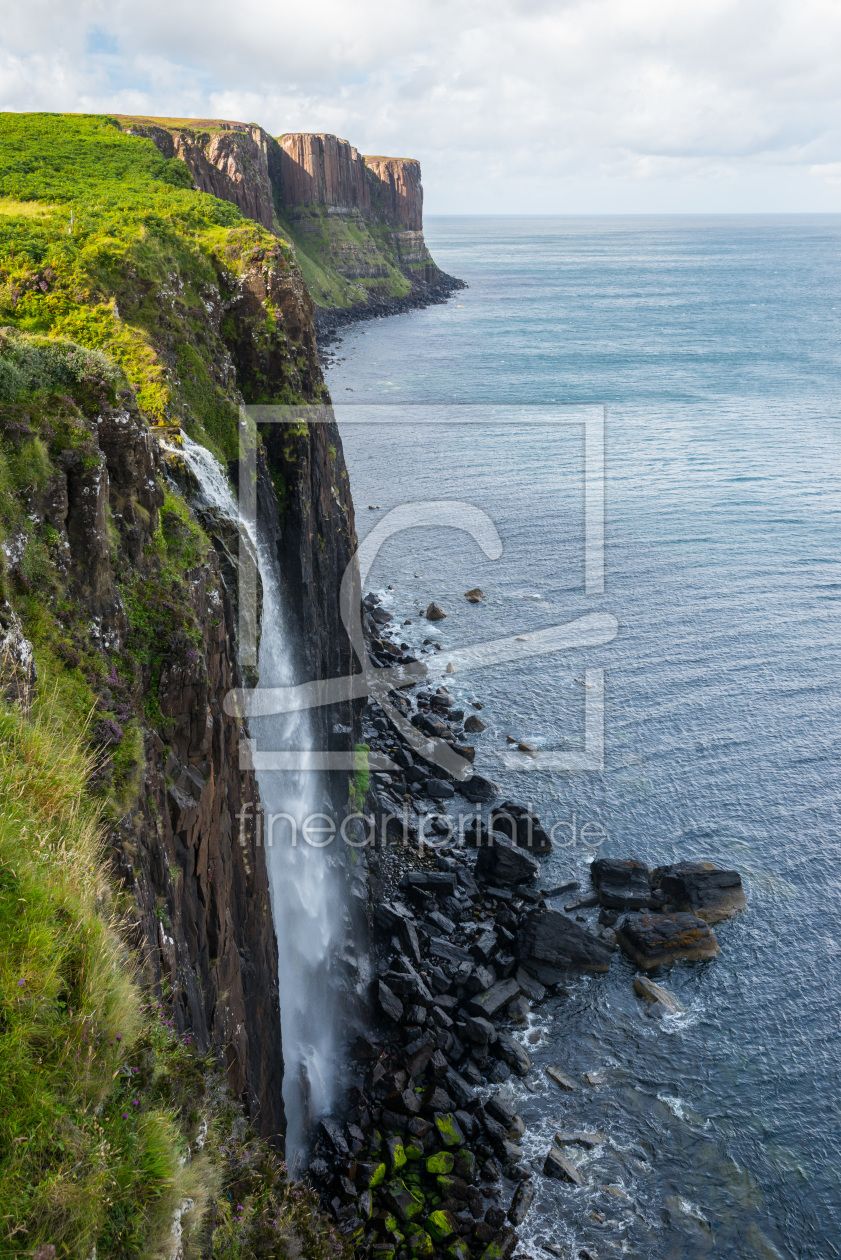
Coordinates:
<point>202,917</point>
<point>318,169</point>
<point>396,191</point>
<point>230,160</point>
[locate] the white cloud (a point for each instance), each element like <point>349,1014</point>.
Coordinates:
<point>511,106</point>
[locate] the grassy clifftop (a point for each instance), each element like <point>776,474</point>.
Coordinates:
<point>104,242</point>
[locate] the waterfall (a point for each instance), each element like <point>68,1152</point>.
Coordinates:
<point>307,906</point>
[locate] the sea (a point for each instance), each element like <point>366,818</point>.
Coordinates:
<point>704,353</point>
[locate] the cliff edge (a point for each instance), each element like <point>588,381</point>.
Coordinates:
<point>355,222</point>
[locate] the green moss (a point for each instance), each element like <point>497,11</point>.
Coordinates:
<point>439,1225</point>
<point>440,1164</point>
<point>448,1128</point>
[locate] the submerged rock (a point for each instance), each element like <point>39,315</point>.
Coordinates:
<point>557,1165</point>
<point>475,595</point>
<point>700,887</point>
<point>561,1079</point>
<point>658,1000</point>
<point>651,940</point>
<point>435,613</point>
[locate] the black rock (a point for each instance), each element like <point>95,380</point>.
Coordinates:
<point>439,790</point>
<point>621,884</point>
<point>492,1001</point>
<point>502,863</point>
<point>478,789</point>
<point>549,944</point>
<point>708,892</point>
<point>513,1054</point>
<point>520,825</point>
<point>390,1003</point>
<point>522,1201</point>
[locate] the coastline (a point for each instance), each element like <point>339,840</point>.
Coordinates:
<point>330,321</point>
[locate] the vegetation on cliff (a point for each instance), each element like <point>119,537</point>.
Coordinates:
<point>128,301</point>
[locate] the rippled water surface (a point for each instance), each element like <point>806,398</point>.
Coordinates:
<point>714,344</point>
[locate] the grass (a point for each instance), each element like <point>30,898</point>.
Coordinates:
<point>105,243</point>
<point>109,1120</point>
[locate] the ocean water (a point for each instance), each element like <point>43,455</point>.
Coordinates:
<point>713,344</point>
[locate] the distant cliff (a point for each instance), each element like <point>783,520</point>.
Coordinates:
<point>356,222</point>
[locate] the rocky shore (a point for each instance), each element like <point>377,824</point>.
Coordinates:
<point>425,1158</point>
<point>329,321</point>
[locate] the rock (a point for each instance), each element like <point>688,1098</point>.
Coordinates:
<point>522,1201</point>
<point>435,613</point>
<point>589,1141</point>
<point>417,1055</point>
<point>473,725</point>
<point>440,1225</point>
<point>479,1030</point>
<point>557,1165</point>
<point>532,988</point>
<point>502,863</point>
<point>449,1130</point>
<point>561,1079</point>
<point>441,948</point>
<point>369,1176</point>
<point>494,999</point>
<point>658,1000</point>
<point>440,1164</point>
<point>475,596</point>
<point>519,1009</point>
<point>389,1002</point>
<point>478,790</point>
<point>438,789</point>
<point>513,1054</point>
<point>651,940</point>
<point>702,888</point>
<point>585,902</point>
<point>406,1204</point>
<point>520,825</point>
<point>621,884</point>
<point>549,944</point>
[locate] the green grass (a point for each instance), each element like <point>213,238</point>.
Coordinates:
<point>100,1100</point>
<point>103,242</point>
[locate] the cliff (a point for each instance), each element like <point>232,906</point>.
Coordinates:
<point>355,222</point>
<point>133,306</point>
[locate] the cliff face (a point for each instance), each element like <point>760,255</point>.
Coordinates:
<point>356,222</point>
<point>318,169</point>
<point>229,160</point>
<point>397,191</point>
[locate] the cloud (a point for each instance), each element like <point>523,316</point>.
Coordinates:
<point>511,105</point>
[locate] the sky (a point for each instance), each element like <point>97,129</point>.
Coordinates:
<point>511,106</point>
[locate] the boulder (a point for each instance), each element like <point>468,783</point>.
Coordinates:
<point>439,790</point>
<point>701,888</point>
<point>521,826</point>
<point>502,863</point>
<point>478,790</point>
<point>658,1000</point>
<point>651,940</point>
<point>513,1054</point>
<point>473,725</point>
<point>389,1002</point>
<point>435,613</point>
<point>621,883</point>
<point>494,999</point>
<point>557,1165</point>
<point>550,944</point>
<point>474,596</point>
<point>522,1201</point>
